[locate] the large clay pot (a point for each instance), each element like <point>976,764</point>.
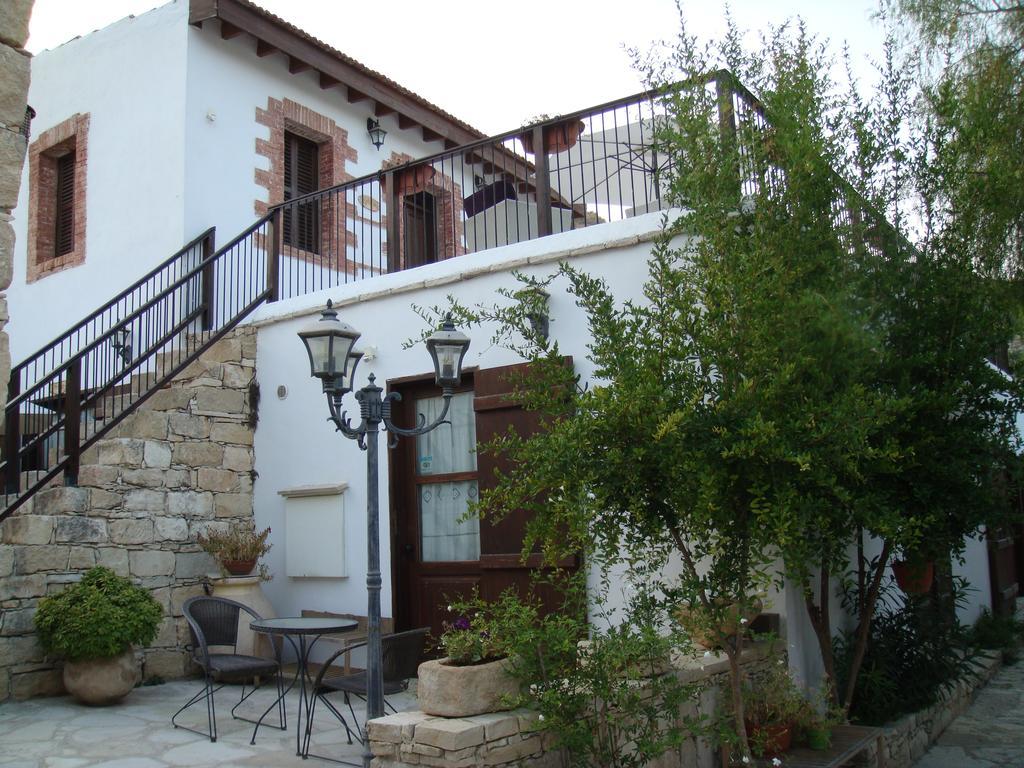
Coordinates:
<point>99,682</point>
<point>446,690</point>
<point>247,591</point>
<point>914,578</point>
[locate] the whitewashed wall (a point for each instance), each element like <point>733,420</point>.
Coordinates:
<point>130,78</point>
<point>296,446</point>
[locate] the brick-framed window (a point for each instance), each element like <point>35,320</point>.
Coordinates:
<point>57,162</point>
<point>327,234</point>
<point>430,217</point>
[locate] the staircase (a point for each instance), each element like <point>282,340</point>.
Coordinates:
<point>71,393</point>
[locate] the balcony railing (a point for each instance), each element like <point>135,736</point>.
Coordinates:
<point>598,165</point>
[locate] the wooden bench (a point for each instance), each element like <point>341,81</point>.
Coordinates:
<point>848,742</point>
<point>357,635</point>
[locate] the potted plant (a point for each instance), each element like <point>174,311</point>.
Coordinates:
<point>914,573</point>
<point>94,624</point>
<point>238,549</point>
<point>710,629</point>
<point>558,137</point>
<point>475,676</point>
<point>772,704</point>
<point>815,721</point>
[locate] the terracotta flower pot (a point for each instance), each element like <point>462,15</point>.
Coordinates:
<point>914,578</point>
<point>239,567</point>
<point>557,138</point>
<point>446,690</point>
<point>411,180</point>
<point>99,682</point>
<point>772,739</point>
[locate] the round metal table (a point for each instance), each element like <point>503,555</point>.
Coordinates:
<point>300,628</point>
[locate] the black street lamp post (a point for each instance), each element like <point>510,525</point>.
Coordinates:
<point>329,345</point>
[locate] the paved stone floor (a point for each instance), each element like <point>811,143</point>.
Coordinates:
<point>137,733</point>
<point>990,733</point>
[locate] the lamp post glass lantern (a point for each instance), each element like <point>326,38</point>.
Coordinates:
<point>329,345</point>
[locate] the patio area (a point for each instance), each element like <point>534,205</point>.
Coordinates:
<point>137,733</point>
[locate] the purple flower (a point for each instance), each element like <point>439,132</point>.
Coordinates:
<point>461,623</point>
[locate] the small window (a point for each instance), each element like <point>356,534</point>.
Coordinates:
<point>420,222</point>
<point>301,177</point>
<point>64,206</point>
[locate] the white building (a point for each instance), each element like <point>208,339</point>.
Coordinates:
<point>207,114</point>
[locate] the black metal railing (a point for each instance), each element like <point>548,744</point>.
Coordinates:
<point>76,389</point>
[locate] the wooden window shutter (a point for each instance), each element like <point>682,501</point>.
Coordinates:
<point>64,209</point>
<point>501,543</point>
<point>301,177</point>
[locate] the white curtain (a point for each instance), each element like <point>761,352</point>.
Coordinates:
<point>449,448</point>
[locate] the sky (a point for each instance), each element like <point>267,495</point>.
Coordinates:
<point>497,65</point>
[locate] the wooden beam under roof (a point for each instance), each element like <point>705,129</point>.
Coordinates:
<point>264,49</point>
<point>300,46</point>
<point>228,31</point>
<point>295,66</point>
<point>326,81</point>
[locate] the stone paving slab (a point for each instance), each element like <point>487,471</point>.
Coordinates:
<point>137,733</point>
<point>990,734</point>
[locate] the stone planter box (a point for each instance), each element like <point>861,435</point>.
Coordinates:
<point>445,690</point>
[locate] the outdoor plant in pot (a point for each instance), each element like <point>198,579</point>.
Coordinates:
<point>238,549</point>
<point>475,676</point>
<point>94,624</point>
<point>914,573</point>
<point>816,719</point>
<point>772,704</point>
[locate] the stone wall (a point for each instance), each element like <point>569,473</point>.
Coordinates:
<point>907,739</point>
<point>181,464</point>
<point>512,739</point>
<point>14,79</point>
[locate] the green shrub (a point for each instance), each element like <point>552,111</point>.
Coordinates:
<point>999,633</point>
<point>99,617</point>
<point>915,651</point>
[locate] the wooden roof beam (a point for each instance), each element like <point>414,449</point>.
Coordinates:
<point>295,66</point>
<point>405,123</point>
<point>300,47</point>
<point>354,95</point>
<point>326,81</point>
<point>382,109</point>
<point>263,48</point>
<point>228,31</point>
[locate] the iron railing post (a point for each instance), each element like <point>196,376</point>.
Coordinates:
<point>543,184</point>
<point>275,234</point>
<point>392,201</point>
<point>72,420</point>
<point>727,126</point>
<point>12,435</point>
<point>209,271</point>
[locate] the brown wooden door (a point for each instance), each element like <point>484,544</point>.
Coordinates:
<point>434,478</point>
<point>429,574</point>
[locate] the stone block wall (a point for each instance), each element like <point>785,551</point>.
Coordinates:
<point>907,739</point>
<point>513,740</point>
<point>14,80</point>
<point>180,465</point>
<point>500,739</point>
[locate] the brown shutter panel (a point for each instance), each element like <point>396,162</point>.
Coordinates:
<point>301,177</point>
<point>501,543</point>
<point>64,213</point>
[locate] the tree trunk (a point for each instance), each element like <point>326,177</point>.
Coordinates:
<point>821,621</point>
<point>867,611</point>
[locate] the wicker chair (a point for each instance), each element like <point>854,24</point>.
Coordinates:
<point>401,658</point>
<point>213,621</point>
